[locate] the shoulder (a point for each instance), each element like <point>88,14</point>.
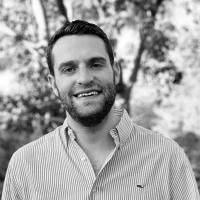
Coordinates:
<point>36,149</point>
<point>158,148</point>
<point>156,141</point>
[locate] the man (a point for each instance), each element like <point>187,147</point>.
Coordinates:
<point>98,153</point>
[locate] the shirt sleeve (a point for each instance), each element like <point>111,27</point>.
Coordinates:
<point>11,187</point>
<point>183,185</point>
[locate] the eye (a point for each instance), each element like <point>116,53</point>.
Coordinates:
<point>68,70</point>
<point>97,65</point>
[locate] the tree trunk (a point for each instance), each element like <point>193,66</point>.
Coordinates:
<point>137,62</point>
<point>41,19</point>
<point>133,77</point>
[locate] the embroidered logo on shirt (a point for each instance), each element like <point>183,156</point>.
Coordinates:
<point>140,186</point>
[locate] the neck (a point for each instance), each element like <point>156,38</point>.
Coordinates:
<point>94,134</point>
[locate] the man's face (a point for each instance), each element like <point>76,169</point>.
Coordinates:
<point>84,78</point>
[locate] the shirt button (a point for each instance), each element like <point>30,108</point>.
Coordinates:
<point>94,190</point>
<point>83,159</point>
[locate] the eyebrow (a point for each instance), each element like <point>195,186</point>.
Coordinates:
<point>99,59</point>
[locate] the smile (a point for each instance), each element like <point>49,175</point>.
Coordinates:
<point>87,93</point>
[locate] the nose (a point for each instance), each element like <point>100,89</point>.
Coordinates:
<point>84,75</point>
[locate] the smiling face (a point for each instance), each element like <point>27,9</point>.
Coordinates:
<point>84,78</point>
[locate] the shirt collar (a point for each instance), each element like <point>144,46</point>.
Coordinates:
<point>120,133</point>
<point>124,128</point>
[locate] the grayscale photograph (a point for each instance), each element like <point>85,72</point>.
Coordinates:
<point>99,100</point>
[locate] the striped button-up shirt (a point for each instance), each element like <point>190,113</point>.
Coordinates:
<point>143,166</point>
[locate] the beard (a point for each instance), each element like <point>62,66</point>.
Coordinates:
<point>93,115</point>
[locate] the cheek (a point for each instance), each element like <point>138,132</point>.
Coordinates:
<point>65,90</point>
<point>107,76</point>
<point>63,85</point>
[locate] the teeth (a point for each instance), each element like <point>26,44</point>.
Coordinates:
<point>87,94</point>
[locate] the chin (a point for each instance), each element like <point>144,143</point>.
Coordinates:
<point>90,120</point>
<point>89,110</point>
<point>92,116</point>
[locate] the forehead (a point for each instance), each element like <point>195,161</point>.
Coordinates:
<point>78,47</point>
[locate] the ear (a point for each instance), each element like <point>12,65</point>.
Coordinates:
<point>52,82</point>
<point>117,71</point>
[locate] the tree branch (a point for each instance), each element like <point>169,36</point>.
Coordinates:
<point>64,7</point>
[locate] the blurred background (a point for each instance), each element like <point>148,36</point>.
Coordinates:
<point>157,46</point>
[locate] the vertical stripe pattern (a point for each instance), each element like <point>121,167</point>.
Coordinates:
<point>144,166</point>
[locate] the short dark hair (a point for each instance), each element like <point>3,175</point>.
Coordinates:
<point>78,27</point>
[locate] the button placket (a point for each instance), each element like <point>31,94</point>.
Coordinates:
<point>94,190</point>
<point>82,165</point>
<point>85,165</point>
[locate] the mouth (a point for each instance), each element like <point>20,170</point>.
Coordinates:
<point>87,93</point>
